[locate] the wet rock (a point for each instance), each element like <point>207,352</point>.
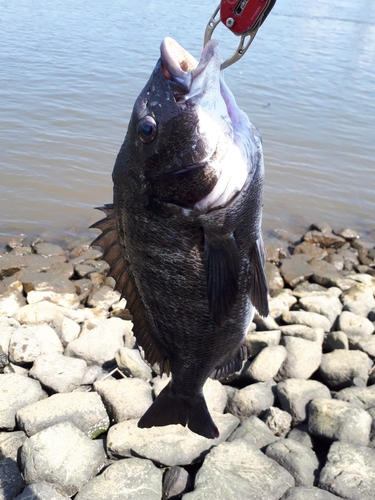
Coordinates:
<point>349,472</point>
<point>324,239</point>
<point>324,304</point>
<point>58,372</point>
<point>303,332</point>
<point>10,442</point>
<point>266,364</point>
<point>244,472</point>
<point>336,260</point>
<point>352,324</point>
<point>132,478</point>
<point>363,397</point>
<point>358,299</point>
<point>54,456</point>
<point>335,340</point>
<point>302,360</point>
<point>29,342</point>
<point>312,319</point>
<point>308,493</point>
<point>169,445</point>
<point>333,420</point>
<point>48,249</point>
<point>132,363</point>
<point>295,394</point>
<point>176,481</point>
<point>66,329</point>
<point>252,400</point>
<point>254,431</point>
<point>339,368</point>
<point>278,421</point>
<point>274,279</point>
<point>295,270</point>
<point>299,460</point>
<point>300,433</point>
<point>40,491</point>
<point>11,481</point>
<point>16,392</point>
<point>256,341</point>
<point>311,250</point>
<point>85,410</point>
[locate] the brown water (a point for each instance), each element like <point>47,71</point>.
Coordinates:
<point>71,70</point>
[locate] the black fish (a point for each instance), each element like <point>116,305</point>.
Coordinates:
<point>182,237</point>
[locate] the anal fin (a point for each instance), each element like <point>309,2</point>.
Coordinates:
<point>232,366</point>
<point>258,291</point>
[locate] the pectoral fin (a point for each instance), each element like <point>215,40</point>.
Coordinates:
<point>222,269</point>
<point>258,283</point>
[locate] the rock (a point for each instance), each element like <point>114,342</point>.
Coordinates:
<point>215,396</point>
<point>300,433</point>
<point>264,324</point>
<point>169,445</point>
<point>92,373</point>
<point>67,329</point>
<point>336,260</point>
<point>299,460</point>
<point>352,324</point>
<point>324,304</point>
<point>10,442</point>
<point>274,279</point>
<point>367,345</point>
<point>11,296</point>
<point>306,288</point>
<point>302,360</point>
<point>256,341</point>
<point>295,270</point>
<point>252,400</point>
<point>358,299</point>
<point>244,472</point>
<point>48,286</point>
<point>311,250</point>
<point>99,345</point>
<point>363,397</point>
<point>304,332</point>
<point>278,421</point>
<point>277,307</point>
<point>339,368</point>
<point>124,399</point>
<point>349,472</point>
<point>255,432</point>
<point>324,239</point>
<point>295,394</point>
<point>314,320</point>
<point>132,478</point>
<point>46,312</point>
<point>85,410</point>
<point>11,481</point>
<point>103,297</point>
<point>266,365</point>
<point>7,327</point>
<point>335,340</point>
<point>48,249</point>
<point>58,372</point>
<point>54,456</point>
<point>40,491</point>
<point>16,392</point>
<point>29,342</point>
<point>333,420</point>
<point>176,481</point>
<point>306,493</point>
<point>132,363</point>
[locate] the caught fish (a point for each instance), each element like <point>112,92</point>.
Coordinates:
<point>183,235</point>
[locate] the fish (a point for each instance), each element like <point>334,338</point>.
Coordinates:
<point>183,235</point>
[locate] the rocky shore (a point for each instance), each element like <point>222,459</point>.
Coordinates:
<point>297,423</point>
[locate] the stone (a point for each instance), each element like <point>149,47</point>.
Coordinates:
<point>215,395</point>
<point>278,421</point>
<point>7,327</point>
<point>16,391</point>
<point>336,260</point>
<point>252,400</point>
<point>295,394</point>
<point>277,307</point>
<point>339,368</point>
<point>367,345</point>
<point>301,434</point>
<point>132,363</point>
<point>299,460</point>
<point>176,481</point>
<point>352,324</point>
<point>349,472</point>
<point>124,399</point>
<point>85,410</point>
<point>57,372</point>
<point>66,329</point>
<point>48,249</point>
<point>264,324</point>
<point>239,470</point>
<point>133,478</point>
<point>40,491</point>
<point>10,443</point>
<point>46,312</point>
<point>306,288</point>
<point>92,373</point>
<point>54,456</point>
<point>295,270</point>
<point>99,345</point>
<point>103,297</point>
<point>324,239</point>
<point>11,296</point>
<point>302,360</point>
<point>363,397</point>
<point>308,493</point>
<point>336,420</point>
<point>11,481</point>
<point>266,364</point>
<point>304,332</point>
<point>169,445</point>
<point>324,304</point>
<point>312,319</point>
<point>29,342</point>
<point>256,341</point>
<point>274,279</point>
<point>255,431</point>
<point>311,250</point>
<point>335,340</point>
<point>359,299</point>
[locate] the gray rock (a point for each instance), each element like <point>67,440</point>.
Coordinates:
<point>176,481</point>
<point>85,410</point>
<point>255,432</point>
<point>338,420</point>
<point>364,397</point>
<point>306,493</point>
<point>58,372</point>
<point>132,363</point>
<point>367,345</point>
<point>351,324</point>
<point>10,443</point>
<point>302,360</point>
<point>48,286</point>
<point>324,239</point>
<point>244,472</point>
<point>335,340</point>
<point>29,342</point>
<point>11,481</point>
<point>295,270</point>
<point>336,260</point>
<point>215,395</point>
<point>371,412</point>
<point>312,319</point>
<point>324,304</point>
<point>265,324</point>
<point>10,263</point>
<point>297,459</point>
<point>103,298</point>
<point>99,345</point>
<point>124,399</point>
<point>358,299</point>
<point>169,445</point>
<point>252,400</point>
<point>266,365</point>
<point>300,433</point>
<point>49,249</point>
<point>54,456</point>
<point>45,312</point>
<point>256,341</point>
<point>339,368</point>
<point>67,329</point>
<point>311,250</point>
<point>40,491</point>
<point>304,332</point>
<point>349,472</point>
<point>295,394</point>
<point>133,478</point>
<point>306,288</point>
<point>274,279</point>
<point>92,373</point>
<point>16,391</point>
<point>278,421</point>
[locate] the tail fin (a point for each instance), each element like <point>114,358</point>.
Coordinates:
<point>168,408</point>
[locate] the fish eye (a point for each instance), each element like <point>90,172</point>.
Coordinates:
<point>147,129</point>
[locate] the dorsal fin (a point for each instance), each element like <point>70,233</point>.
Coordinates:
<point>108,242</point>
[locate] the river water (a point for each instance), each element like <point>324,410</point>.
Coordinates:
<point>71,70</point>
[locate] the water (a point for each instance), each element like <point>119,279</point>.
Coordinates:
<point>71,70</point>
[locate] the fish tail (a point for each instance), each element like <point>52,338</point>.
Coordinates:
<point>169,408</point>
